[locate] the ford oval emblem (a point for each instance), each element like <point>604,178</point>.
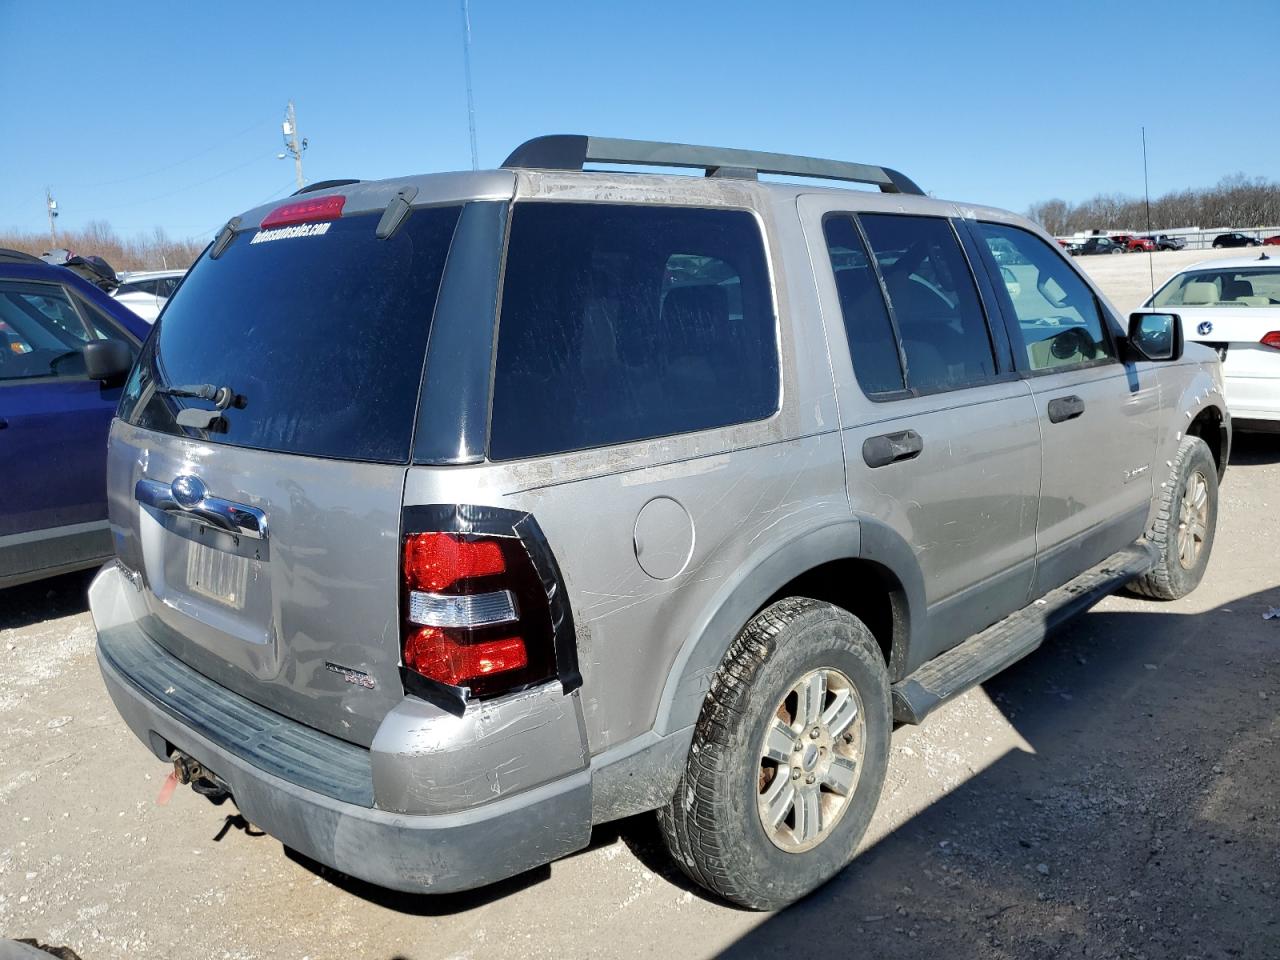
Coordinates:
<point>1205,328</point>
<point>188,491</point>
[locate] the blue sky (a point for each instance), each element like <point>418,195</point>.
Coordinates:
<point>164,114</point>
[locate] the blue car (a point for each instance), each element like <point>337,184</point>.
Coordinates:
<point>65,350</point>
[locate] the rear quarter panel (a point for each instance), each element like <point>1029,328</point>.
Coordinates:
<point>745,490</point>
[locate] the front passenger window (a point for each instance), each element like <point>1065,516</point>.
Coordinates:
<point>1058,315</point>
<point>41,333</point>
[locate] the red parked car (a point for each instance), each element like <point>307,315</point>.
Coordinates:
<point>1141,243</point>
<point>1272,241</point>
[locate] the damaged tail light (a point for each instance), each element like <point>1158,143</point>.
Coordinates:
<point>476,617</point>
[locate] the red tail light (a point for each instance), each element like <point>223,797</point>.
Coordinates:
<point>476,614</point>
<point>304,211</point>
<point>436,655</point>
<point>437,561</point>
<point>1272,339</point>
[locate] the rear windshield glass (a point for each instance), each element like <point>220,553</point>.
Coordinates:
<point>321,332</point>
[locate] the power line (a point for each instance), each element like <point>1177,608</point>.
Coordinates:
<point>256,125</point>
<point>189,186</point>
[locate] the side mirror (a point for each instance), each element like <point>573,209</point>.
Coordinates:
<point>107,360</point>
<point>1154,336</point>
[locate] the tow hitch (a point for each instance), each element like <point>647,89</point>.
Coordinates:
<point>189,770</point>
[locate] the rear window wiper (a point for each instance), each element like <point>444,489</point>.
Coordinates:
<point>221,397</point>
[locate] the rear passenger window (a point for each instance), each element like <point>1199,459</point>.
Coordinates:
<point>934,300</point>
<point>625,323</point>
<point>872,346</point>
<point>1057,313</point>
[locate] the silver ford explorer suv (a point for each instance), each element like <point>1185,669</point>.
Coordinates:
<point>459,513</point>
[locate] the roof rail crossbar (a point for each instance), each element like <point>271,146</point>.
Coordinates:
<point>574,151</point>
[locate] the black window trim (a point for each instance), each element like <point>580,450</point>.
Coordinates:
<point>83,305</point>
<point>1002,375</point>
<point>1010,316</point>
<point>771,275</point>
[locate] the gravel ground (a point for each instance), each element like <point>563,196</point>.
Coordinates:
<point>1112,795</point>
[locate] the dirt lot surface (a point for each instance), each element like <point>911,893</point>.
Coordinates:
<point>1113,795</point>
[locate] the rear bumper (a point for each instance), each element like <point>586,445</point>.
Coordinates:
<point>275,770</point>
<point>1252,398</point>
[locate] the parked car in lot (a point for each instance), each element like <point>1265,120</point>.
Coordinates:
<point>65,347</point>
<point>635,492</point>
<point>1234,240</point>
<point>1272,241</point>
<point>1164,241</point>
<point>1234,306</point>
<point>1096,245</point>
<point>1140,245</point>
<point>145,292</point>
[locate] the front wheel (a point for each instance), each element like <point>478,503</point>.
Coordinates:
<point>788,757</point>
<point>1185,524</point>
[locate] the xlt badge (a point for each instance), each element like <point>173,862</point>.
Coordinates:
<point>358,677</point>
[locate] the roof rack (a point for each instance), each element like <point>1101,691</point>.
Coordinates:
<point>574,151</point>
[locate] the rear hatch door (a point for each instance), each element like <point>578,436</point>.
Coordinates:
<point>267,531</point>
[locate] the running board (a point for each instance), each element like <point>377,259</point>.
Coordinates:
<point>985,654</point>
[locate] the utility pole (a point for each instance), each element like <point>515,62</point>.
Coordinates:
<point>292,143</point>
<point>51,206</point>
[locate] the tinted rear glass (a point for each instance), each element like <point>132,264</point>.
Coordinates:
<point>322,334</point>
<point>624,323</point>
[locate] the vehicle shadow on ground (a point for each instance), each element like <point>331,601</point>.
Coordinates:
<point>1255,449</point>
<point>1145,822</point>
<point>30,603</point>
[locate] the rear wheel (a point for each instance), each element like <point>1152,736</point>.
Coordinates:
<point>788,757</point>
<point>1185,524</point>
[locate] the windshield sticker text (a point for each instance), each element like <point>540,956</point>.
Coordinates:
<point>288,233</point>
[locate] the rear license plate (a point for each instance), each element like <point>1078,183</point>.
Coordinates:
<point>217,575</point>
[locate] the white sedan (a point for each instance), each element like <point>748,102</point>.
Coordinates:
<point>145,291</point>
<point>1234,306</point>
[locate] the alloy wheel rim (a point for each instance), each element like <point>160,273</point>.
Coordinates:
<point>1193,520</point>
<point>811,757</point>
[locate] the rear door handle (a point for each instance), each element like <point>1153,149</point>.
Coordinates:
<point>235,518</point>
<point>1065,408</point>
<point>891,447</point>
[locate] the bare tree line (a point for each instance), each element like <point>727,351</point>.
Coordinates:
<point>1236,201</point>
<point>153,251</point>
